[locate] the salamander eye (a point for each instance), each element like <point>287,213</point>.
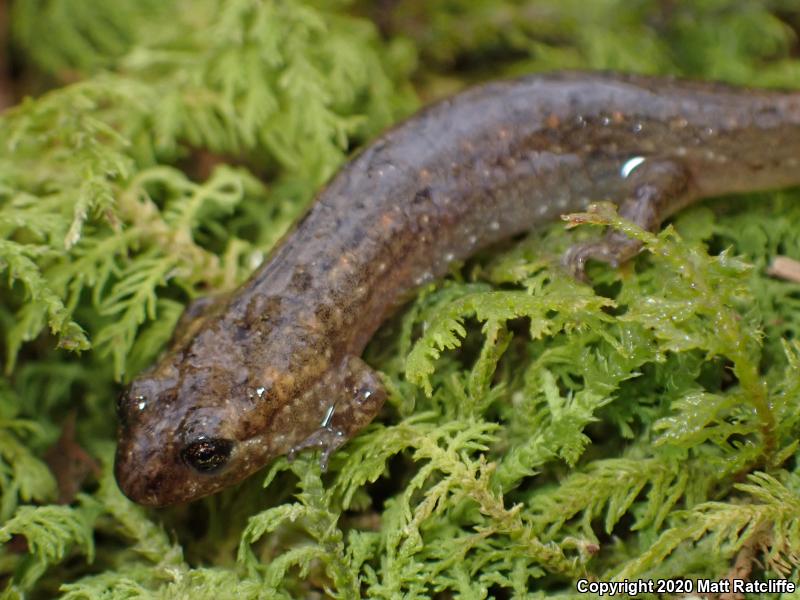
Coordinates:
<point>207,455</point>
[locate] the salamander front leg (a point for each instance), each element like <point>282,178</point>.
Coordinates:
<point>356,400</point>
<point>660,188</point>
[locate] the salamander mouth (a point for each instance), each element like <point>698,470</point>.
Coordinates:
<point>142,485</point>
<point>161,477</point>
<point>154,484</point>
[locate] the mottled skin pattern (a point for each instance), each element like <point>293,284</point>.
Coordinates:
<point>275,368</point>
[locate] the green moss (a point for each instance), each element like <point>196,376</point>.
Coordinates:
<point>537,431</point>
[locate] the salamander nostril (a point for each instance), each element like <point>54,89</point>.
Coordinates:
<point>123,408</point>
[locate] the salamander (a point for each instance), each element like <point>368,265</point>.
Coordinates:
<point>275,368</point>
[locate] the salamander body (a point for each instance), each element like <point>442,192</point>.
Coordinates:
<point>275,368</point>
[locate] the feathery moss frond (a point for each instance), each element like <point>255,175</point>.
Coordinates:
<point>770,516</point>
<point>86,153</point>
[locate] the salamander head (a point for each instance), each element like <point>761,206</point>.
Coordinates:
<point>176,444</point>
